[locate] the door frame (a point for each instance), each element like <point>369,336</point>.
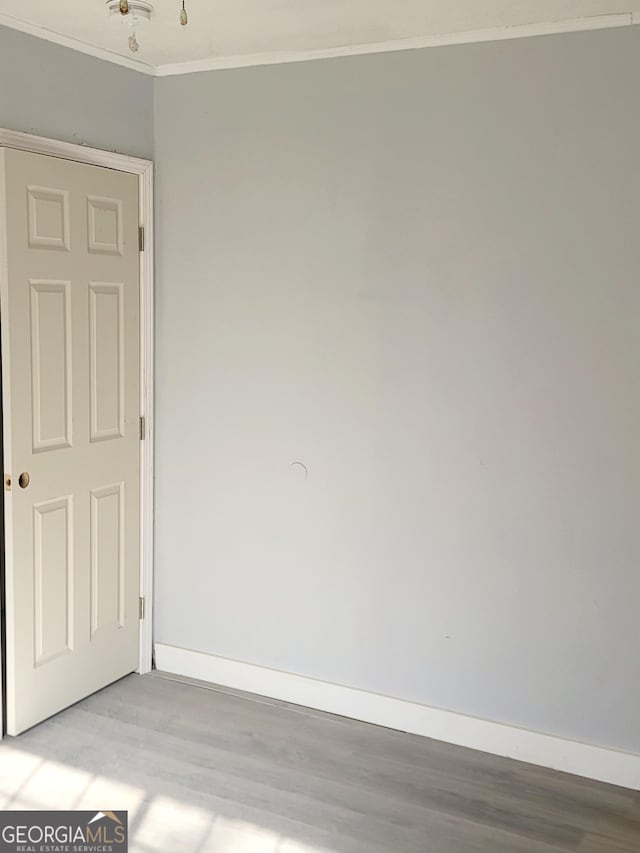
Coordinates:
<point>144,170</point>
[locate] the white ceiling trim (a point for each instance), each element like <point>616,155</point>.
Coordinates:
<point>596,22</point>
<point>75,44</point>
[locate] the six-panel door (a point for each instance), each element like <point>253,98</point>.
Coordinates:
<point>69,279</point>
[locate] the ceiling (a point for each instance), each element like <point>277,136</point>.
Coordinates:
<point>228,33</point>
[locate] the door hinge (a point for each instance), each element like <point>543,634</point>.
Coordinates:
<point>141,238</point>
<point>143,429</point>
<point>141,609</point>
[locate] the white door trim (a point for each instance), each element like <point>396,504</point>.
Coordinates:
<point>144,170</point>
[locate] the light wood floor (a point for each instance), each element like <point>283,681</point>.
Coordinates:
<point>201,770</point>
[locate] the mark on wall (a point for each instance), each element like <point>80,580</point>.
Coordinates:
<point>300,471</point>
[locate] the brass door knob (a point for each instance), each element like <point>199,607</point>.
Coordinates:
<point>24,479</point>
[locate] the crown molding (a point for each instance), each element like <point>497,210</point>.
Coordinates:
<point>596,22</point>
<point>218,63</point>
<point>75,44</point>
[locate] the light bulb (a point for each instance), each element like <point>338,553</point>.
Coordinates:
<point>184,19</point>
<point>134,47</point>
<point>124,7</point>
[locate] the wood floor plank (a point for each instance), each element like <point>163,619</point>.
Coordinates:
<point>149,765</point>
<point>396,806</point>
<point>438,792</point>
<point>604,844</point>
<point>202,770</point>
<point>539,803</point>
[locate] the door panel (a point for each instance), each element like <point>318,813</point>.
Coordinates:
<point>50,364</point>
<point>106,355</point>
<point>107,558</point>
<point>53,579</point>
<point>69,289</point>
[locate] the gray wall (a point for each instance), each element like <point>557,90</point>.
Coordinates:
<point>418,275</point>
<point>51,91</point>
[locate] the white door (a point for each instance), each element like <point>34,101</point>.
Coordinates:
<point>69,301</point>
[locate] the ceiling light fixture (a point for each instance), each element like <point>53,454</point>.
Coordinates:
<point>135,12</point>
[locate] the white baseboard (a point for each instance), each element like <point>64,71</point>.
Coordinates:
<point>581,759</point>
